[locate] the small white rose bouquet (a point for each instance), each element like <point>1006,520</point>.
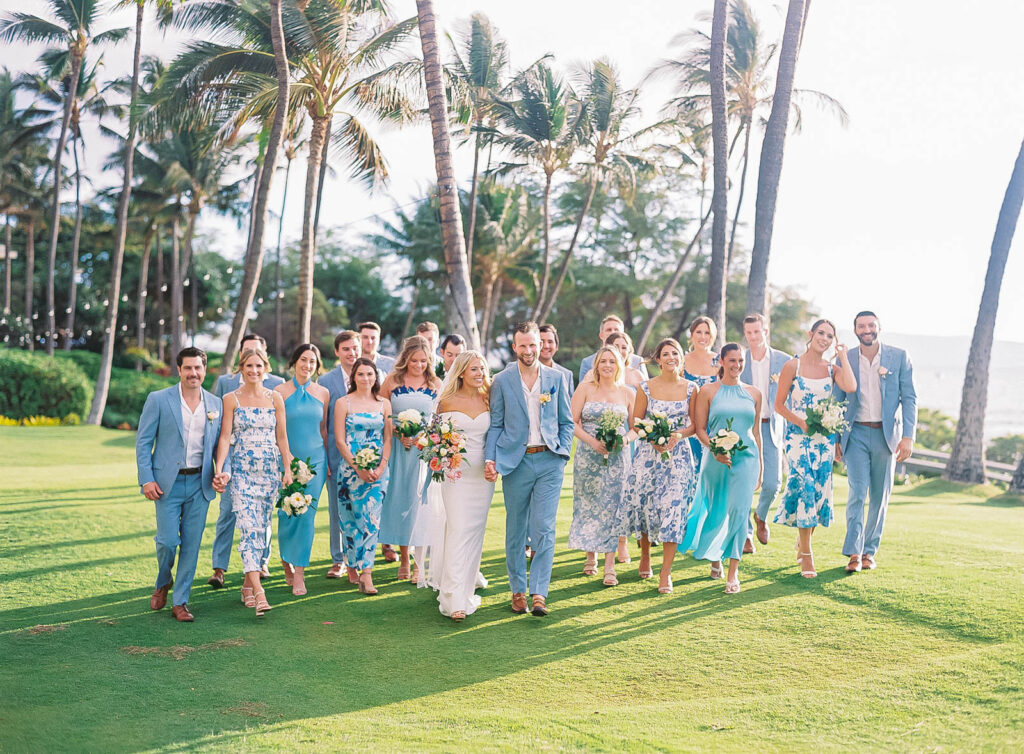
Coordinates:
<point>367,458</point>
<point>295,504</point>
<point>826,417</point>
<point>727,441</point>
<point>292,498</point>
<point>409,423</point>
<point>609,432</point>
<point>656,429</point>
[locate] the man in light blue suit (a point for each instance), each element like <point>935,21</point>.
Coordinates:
<point>225,532</point>
<point>761,368</point>
<point>882,414</point>
<point>548,349</point>
<point>528,443</point>
<point>347,349</point>
<point>611,324</point>
<point>174,448</point>
<point>369,340</point>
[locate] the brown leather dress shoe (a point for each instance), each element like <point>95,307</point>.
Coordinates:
<point>518,603</point>
<point>181,614</point>
<point>748,547</point>
<point>159,598</point>
<point>335,571</point>
<point>762,530</point>
<point>217,579</point>
<point>539,608</point>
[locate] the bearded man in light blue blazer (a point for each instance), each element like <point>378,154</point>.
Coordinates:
<point>528,443</point>
<point>761,368</point>
<point>882,414</point>
<point>174,448</point>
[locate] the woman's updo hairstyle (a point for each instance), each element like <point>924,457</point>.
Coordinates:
<point>726,349</point>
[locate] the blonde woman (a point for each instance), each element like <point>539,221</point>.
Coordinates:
<point>599,476</point>
<point>253,429</point>
<point>465,402</point>
<point>700,366</point>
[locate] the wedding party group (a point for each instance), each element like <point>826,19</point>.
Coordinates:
<point>410,448</point>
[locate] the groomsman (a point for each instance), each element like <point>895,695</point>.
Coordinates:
<point>761,368</point>
<point>528,443</point>
<point>369,340</point>
<point>225,531</point>
<point>611,324</point>
<point>174,448</point>
<point>432,333</point>
<point>882,413</point>
<point>347,348</point>
<point>548,349</point>
<point>451,346</point>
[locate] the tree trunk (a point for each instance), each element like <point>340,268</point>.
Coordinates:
<point>321,181</point>
<point>770,169</point>
<point>30,279</point>
<point>69,320</point>
<point>670,287</point>
<point>140,306</point>
<point>278,335</point>
<point>407,330</point>
<point>8,251</point>
<point>160,308</point>
<point>487,285</point>
<point>452,234</point>
<point>99,398</point>
<point>739,199</point>
<point>177,294</point>
<point>967,461</point>
<point>307,246</point>
<point>1017,483</point>
<point>58,155</point>
<point>719,198</point>
<point>471,231</point>
<point>493,314</point>
<point>254,253</point>
<point>545,208</point>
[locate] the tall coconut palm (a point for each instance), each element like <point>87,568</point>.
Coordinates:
<point>717,273</point>
<point>293,142</point>
<point>967,461</point>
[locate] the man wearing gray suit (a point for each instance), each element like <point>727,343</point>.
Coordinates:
<point>611,324</point>
<point>369,340</point>
<point>548,349</point>
<point>882,414</point>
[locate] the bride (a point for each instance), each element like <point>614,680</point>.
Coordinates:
<point>454,558</point>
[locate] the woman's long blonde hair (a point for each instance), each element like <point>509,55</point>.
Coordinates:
<point>410,346</point>
<point>453,379</point>
<point>619,377</point>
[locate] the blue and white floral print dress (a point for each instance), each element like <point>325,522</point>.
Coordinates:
<point>598,517</point>
<point>359,503</point>
<point>255,479</point>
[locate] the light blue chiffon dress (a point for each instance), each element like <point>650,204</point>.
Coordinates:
<point>406,472</point>
<point>303,415</point>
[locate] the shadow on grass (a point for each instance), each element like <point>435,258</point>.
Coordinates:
<point>127,440</point>
<point>1006,500</point>
<point>49,546</point>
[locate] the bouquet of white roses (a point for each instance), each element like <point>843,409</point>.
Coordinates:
<point>609,432</point>
<point>442,446</point>
<point>827,417</point>
<point>367,458</point>
<point>292,498</point>
<point>726,441</point>
<point>295,504</point>
<point>656,429</point>
<point>409,423</point>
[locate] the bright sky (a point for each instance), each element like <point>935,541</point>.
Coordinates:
<point>895,213</point>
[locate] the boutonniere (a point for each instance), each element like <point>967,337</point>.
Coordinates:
<point>774,379</point>
<point>211,415</point>
<point>882,371</point>
<point>545,398</point>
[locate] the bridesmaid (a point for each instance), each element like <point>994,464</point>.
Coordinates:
<point>718,520</point>
<point>253,430</point>
<point>807,498</point>
<point>597,520</point>
<point>305,405</point>
<point>410,385</point>
<point>659,493</point>
<point>700,366</point>
<point>624,345</point>
<point>362,420</point>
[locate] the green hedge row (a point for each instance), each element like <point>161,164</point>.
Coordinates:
<point>39,385</point>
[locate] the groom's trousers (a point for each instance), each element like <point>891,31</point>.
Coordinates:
<point>531,504</point>
<point>772,477</point>
<point>869,467</point>
<point>180,520</point>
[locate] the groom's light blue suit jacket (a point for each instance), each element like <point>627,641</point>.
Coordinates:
<point>160,442</point>
<point>776,360</point>
<point>899,399</point>
<point>510,423</point>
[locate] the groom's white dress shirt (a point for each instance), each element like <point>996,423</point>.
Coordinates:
<point>532,397</point>
<point>870,408</point>
<point>761,374</point>
<point>194,425</point>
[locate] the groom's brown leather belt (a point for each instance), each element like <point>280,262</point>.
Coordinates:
<point>873,425</point>
<point>536,448</point>
<point>190,472</point>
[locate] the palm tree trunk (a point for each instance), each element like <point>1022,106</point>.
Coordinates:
<point>492,315</point>
<point>320,183</point>
<point>452,234</point>
<point>254,252</point>
<point>307,246</point>
<point>99,398</point>
<point>739,199</point>
<point>69,320</point>
<point>719,198</point>
<point>177,295</point>
<point>277,266</point>
<point>967,461</point>
<point>1017,483</point>
<point>670,287</point>
<point>770,169</point>
<point>30,279</point>
<point>545,208</point>
<point>563,270</point>
<point>471,231</point>
<point>407,329</point>
<point>160,308</point>
<point>51,319</point>
<point>487,285</point>
<point>140,305</point>
<point>8,251</point>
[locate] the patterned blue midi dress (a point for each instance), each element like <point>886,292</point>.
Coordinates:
<point>359,503</point>
<point>255,479</point>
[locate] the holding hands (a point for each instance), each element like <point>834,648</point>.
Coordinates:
<point>490,471</point>
<point>220,481</point>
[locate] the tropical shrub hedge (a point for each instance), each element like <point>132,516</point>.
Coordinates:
<point>34,385</point>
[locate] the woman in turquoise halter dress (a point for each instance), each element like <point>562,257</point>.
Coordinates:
<point>362,420</point>
<point>305,408</point>
<point>718,518</point>
<point>700,366</point>
<point>807,499</point>
<point>410,385</point>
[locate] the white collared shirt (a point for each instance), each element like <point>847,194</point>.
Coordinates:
<point>194,425</point>
<point>869,387</point>
<point>760,372</point>
<point>532,397</point>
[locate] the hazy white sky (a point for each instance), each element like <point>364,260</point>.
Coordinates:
<point>894,213</point>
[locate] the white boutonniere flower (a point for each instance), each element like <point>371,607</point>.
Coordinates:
<point>774,378</point>
<point>882,371</point>
<point>211,415</point>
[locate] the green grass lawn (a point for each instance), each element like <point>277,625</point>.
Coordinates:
<point>923,654</point>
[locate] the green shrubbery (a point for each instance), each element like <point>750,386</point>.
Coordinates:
<point>127,396</point>
<point>33,385</point>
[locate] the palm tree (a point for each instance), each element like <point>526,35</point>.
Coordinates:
<point>967,461</point>
<point>1017,483</point>
<point>770,169</point>
<point>293,142</point>
<point>717,273</point>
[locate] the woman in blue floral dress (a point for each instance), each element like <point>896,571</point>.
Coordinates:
<point>362,419</point>
<point>700,366</point>
<point>598,477</point>
<point>253,430</point>
<point>807,499</point>
<point>659,493</point>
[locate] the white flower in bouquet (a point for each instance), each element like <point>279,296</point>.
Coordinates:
<point>727,441</point>
<point>367,458</point>
<point>662,441</point>
<point>410,415</point>
<point>304,475</point>
<point>446,427</point>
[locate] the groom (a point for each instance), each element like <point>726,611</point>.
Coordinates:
<point>528,444</point>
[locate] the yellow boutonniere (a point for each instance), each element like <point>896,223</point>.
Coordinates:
<point>774,378</point>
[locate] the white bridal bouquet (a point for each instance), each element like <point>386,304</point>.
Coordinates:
<point>726,441</point>
<point>367,458</point>
<point>826,417</point>
<point>409,423</point>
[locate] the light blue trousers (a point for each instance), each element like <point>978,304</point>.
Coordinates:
<point>531,505</point>
<point>772,478</point>
<point>225,536</point>
<point>334,525</point>
<point>869,466</point>
<point>180,520</point>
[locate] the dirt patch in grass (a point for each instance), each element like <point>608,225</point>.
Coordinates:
<point>250,709</point>
<point>43,628</point>
<point>180,652</point>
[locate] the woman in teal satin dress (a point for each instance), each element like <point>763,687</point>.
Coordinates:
<point>718,519</point>
<point>305,407</point>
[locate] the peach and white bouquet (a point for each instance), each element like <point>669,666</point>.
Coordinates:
<point>442,447</point>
